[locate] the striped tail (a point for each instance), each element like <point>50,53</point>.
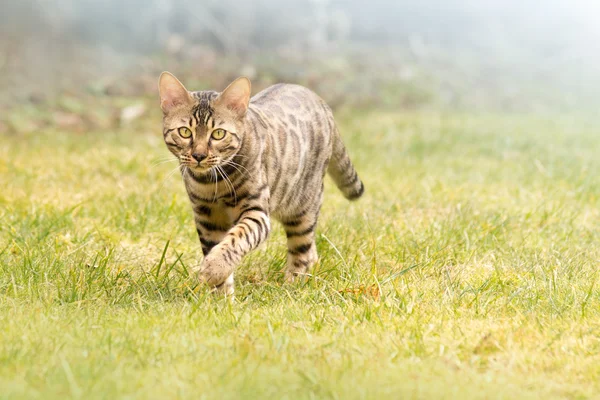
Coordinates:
<point>342,171</point>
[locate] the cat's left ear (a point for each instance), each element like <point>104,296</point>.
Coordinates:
<point>172,93</point>
<point>236,97</point>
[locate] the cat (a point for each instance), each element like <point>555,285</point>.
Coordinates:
<point>245,161</point>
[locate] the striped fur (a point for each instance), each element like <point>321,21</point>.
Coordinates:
<point>270,163</point>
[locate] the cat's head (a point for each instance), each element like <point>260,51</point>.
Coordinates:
<point>203,130</point>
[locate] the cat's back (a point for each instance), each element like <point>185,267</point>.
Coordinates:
<point>299,131</point>
<point>288,97</point>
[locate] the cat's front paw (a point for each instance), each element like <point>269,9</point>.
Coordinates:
<point>213,271</point>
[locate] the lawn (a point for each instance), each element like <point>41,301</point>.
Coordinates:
<point>468,270</point>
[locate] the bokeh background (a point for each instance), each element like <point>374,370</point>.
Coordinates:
<point>73,62</point>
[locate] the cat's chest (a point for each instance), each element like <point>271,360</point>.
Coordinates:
<point>213,202</point>
<point>220,213</point>
<point>207,190</point>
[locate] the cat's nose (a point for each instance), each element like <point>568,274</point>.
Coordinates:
<point>199,157</point>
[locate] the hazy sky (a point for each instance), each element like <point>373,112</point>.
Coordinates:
<point>529,38</point>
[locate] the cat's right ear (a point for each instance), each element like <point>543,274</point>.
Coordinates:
<point>172,93</point>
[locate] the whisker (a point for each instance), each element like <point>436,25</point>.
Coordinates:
<point>237,169</point>
<point>218,170</point>
<point>229,183</point>
<point>165,157</point>
<point>164,161</point>
<point>169,175</point>
<point>159,158</point>
<point>215,174</point>
<point>236,165</point>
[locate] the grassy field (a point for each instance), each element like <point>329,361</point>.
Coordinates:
<point>468,270</point>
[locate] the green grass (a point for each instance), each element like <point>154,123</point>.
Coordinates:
<point>468,270</point>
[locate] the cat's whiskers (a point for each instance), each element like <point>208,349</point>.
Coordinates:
<point>180,167</point>
<point>237,167</point>
<point>215,175</point>
<point>218,171</point>
<point>228,182</point>
<point>164,161</point>
<point>184,171</point>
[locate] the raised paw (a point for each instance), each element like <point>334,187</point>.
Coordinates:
<point>214,272</point>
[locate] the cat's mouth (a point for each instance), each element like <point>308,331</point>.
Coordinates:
<point>200,168</point>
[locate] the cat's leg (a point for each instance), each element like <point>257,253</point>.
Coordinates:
<point>250,230</point>
<point>302,250</point>
<point>208,240</point>
<point>300,232</point>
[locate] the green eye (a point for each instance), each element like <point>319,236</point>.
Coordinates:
<point>218,134</point>
<point>185,132</point>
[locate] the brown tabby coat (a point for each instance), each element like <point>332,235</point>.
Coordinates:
<point>246,160</point>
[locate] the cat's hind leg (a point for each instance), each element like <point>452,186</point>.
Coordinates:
<point>302,249</point>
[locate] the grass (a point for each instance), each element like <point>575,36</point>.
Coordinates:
<point>469,270</point>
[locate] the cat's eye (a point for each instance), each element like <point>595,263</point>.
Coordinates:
<point>218,134</point>
<point>185,132</point>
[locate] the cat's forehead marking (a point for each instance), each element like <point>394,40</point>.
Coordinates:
<point>203,111</point>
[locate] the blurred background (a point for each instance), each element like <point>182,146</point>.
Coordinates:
<point>81,64</point>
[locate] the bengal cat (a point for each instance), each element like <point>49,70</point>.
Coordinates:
<point>245,161</point>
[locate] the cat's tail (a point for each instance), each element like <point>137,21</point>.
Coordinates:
<point>342,170</point>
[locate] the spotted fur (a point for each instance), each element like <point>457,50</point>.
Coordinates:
<point>270,163</point>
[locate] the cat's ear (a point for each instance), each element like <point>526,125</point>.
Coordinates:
<point>236,97</point>
<point>172,93</point>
